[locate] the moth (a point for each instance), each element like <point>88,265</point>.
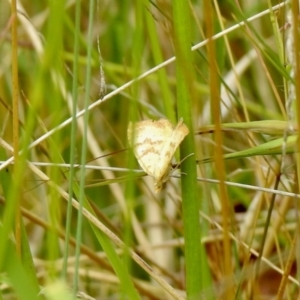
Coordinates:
<point>154,144</point>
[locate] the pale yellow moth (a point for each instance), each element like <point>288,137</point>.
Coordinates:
<point>154,144</point>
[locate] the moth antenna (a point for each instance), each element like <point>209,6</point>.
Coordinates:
<point>178,165</point>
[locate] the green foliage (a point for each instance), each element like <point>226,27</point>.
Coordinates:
<point>224,220</point>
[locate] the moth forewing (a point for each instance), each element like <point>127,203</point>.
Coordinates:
<point>154,144</point>
<point>168,150</point>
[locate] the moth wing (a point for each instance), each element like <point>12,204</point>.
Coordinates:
<point>147,139</point>
<point>170,145</point>
<point>154,144</point>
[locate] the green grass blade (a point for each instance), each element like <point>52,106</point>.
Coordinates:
<point>25,265</point>
<point>271,127</point>
<point>196,268</point>
<point>118,265</point>
<point>270,148</point>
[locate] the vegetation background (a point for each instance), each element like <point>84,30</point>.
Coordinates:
<point>73,74</point>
